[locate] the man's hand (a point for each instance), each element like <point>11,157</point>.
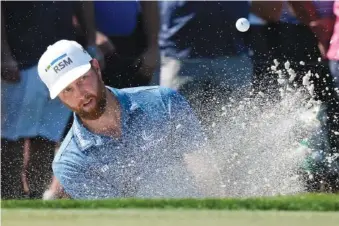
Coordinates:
<point>151,57</point>
<point>104,44</point>
<point>10,71</point>
<point>149,61</point>
<point>323,29</point>
<point>55,191</point>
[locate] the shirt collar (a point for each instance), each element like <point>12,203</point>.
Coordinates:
<point>86,139</point>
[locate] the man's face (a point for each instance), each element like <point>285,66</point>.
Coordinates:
<point>86,96</point>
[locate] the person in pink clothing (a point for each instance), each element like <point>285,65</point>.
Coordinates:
<point>333,52</point>
<point>317,19</point>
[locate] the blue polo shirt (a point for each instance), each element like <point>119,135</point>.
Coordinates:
<point>158,127</point>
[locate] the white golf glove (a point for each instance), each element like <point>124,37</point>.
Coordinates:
<point>49,195</point>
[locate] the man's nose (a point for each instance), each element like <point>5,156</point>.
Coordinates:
<point>81,93</point>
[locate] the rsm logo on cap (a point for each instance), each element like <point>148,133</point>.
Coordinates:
<point>64,62</point>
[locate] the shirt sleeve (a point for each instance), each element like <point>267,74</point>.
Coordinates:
<point>187,133</point>
<point>78,185</point>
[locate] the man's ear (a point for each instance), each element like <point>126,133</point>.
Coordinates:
<point>96,67</point>
<point>95,64</point>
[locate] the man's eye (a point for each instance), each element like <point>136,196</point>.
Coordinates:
<point>68,89</point>
<point>84,77</point>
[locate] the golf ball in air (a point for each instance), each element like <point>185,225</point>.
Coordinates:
<point>242,24</point>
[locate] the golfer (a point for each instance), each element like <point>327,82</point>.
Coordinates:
<point>135,142</point>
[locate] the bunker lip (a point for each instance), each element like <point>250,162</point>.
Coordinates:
<point>68,78</point>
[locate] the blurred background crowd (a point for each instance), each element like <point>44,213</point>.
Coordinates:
<point>191,46</point>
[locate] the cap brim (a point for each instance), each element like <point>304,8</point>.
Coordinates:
<point>67,78</point>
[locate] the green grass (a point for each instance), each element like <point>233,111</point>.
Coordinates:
<point>279,211</point>
<point>309,202</point>
<point>132,217</point>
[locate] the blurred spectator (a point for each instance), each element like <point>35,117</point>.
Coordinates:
<point>318,18</point>
<point>129,31</point>
<point>333,56</point>
<point>30,119</point>
<point>299,38</point>
<point>305,36</point>
<point>203,55</point>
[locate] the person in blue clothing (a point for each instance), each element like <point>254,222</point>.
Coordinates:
<point>29,135</point>
<point>203,55</point>
<point>133,142</point>
<point>132,29</point>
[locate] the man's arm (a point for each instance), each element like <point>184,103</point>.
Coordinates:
<point>73,183</point>
<point>322,28</point>
<point>151,18</point>
<point>84,11</point>
<point>270,11</point>
<point>55,190</point>
<point>197,155</point>
<point>9,66</point>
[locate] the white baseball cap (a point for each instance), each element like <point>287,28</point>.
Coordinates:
<point>61,64</point>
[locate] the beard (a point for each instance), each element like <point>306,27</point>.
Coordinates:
<point>100,104</point>
<point>97,110</point>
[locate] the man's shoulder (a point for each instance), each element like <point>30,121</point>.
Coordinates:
<point>67,146</point>
<point>149,90</point>
<point>142,89</point>
<point>153,99</point>
<point>147,94</point>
